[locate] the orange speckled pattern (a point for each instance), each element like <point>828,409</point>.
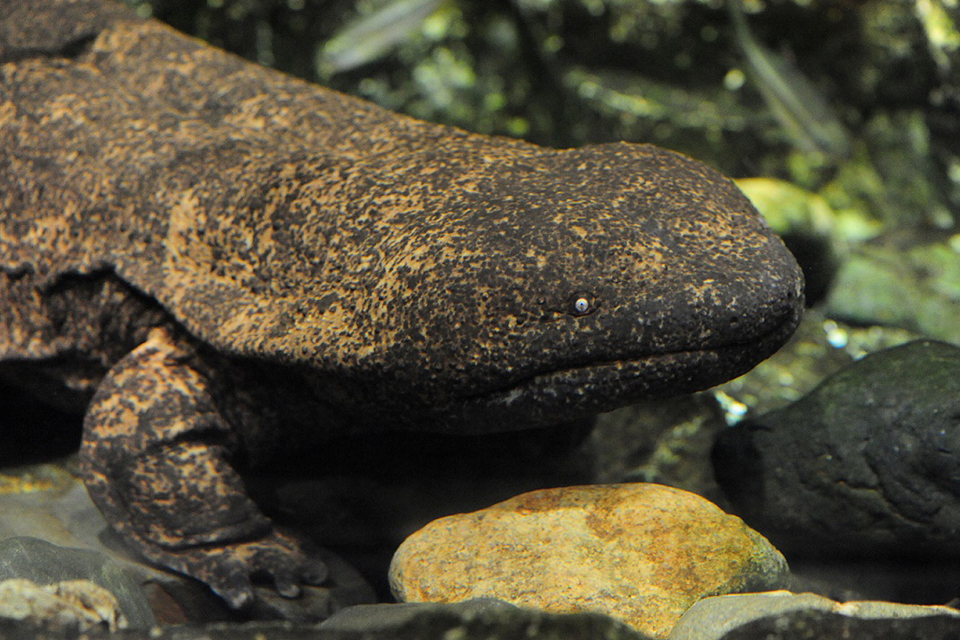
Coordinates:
<point>230,264</point>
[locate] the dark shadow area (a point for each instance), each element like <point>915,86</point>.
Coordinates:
<point>32,431</point>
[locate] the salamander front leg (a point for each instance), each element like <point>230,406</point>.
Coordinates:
<point>155,459</point>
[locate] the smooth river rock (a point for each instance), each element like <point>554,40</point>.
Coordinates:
<point>733,616</point>
<point>640,553</point>
<point>867,465</point>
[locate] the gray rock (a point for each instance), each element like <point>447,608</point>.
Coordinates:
<point>866,465</point>
<point>819,625</point>
<point>43,563</point>
<point>727,616</point>
<point>486,618</point>
<point>478,620</point>
<point>386,617</point>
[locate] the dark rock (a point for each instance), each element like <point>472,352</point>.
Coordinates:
<point>467,621</point>
<point>384,617</point>
<point>727,616</point>
<point>485,618</point>
<point>866,465</point>
<point>818,625</point>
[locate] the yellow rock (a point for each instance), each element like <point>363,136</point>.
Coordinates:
<point>642,553</point>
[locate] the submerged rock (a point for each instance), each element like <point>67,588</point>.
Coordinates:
<point>31,568</point>
<point>731,616</point>
<point>72,604</point>
<point>381,618</point>
<point>866,465</point>
<point>640,553</point>
<point>465,621</point>
<point>486,618</point>
<point>805,625</point>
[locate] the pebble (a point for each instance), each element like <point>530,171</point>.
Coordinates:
<point>640,553</point>
<point>864,466</point>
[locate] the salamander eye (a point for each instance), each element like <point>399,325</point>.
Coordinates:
<point>582,303</point>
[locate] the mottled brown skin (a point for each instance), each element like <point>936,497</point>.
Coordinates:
<point>223,265</point>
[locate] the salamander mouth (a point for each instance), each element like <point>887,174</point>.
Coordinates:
<point>579,391</point>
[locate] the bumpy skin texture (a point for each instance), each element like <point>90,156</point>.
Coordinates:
<point>223,264</point>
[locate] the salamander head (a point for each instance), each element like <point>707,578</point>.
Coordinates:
<point>551,284</point>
